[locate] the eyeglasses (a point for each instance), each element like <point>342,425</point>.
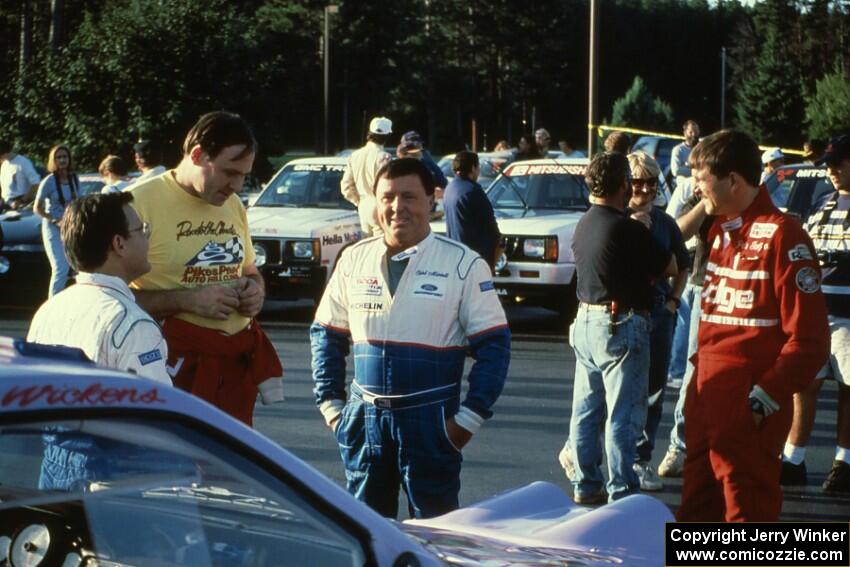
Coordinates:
<point>144,228</point>
<point>648,183</point>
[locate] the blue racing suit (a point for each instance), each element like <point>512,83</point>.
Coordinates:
<point>409,353</point>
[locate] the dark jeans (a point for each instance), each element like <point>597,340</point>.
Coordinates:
<point>660,347</point>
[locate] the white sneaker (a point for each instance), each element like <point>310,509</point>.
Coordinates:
<point>649,481</point>
<point>672,463</point>
<point>565,457</point>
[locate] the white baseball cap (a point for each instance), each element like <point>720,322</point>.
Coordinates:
<point>771,155</point>
<point>381,125</point>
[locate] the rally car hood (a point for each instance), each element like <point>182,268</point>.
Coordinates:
<point>296,222</point>
<point>539,524</point>
<point>537,221</point>
<point>530,222</point>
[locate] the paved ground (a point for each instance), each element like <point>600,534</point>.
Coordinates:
<point>520,443</point>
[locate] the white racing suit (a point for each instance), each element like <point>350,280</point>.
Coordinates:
<point>98,315</point>
<point>409,353</point>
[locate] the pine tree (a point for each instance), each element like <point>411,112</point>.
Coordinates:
<point>828,111</point>
<point>638,108</point>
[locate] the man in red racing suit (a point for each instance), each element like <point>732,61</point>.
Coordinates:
<point>763,335</point>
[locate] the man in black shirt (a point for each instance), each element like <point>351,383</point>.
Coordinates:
<point>616,263</point>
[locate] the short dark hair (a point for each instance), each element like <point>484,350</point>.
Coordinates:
<point>5,147</point>
<point>148,152</point>
<point>463,163</point>
<point>88,226</point>
<point>618,142</point>
<point>690,123</point>
<point>401,167</point>
<point>726,151</point>
<point>215,131</point>
<point>606,173</point>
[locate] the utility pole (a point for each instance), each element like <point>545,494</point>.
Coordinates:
<point>722,87</point>
<point>330,9</point>
<point>592,78</point>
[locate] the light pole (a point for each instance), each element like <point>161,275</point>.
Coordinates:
<point>326,52</point>
<point>722,87</point>
<point>592,87</point>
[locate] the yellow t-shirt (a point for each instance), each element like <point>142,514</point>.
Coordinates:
<point>193,243</point>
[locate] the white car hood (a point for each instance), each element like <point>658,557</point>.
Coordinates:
<point>534,222</point>
<point>296,222</point>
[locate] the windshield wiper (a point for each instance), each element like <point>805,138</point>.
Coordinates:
<point>516,190</point>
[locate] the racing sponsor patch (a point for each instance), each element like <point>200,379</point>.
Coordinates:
<point>369,306</point>
<point>151,356</point>
<point>545,169</point>
<point>486,286</point>
<point>799,253</point>
<point>370,286</point>
<point>807,280</point>
<point>733,224</point>
<point>428,289</point>
<point>762,230</point>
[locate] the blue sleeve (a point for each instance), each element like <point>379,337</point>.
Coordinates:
<point>439,177</point>
<point>491,351</point>
<point>328,347</point>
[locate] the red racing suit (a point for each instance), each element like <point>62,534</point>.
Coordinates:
<point>763,333</point>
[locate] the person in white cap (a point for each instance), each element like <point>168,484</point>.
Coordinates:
<point>770,160</point>
<point>358,181</point>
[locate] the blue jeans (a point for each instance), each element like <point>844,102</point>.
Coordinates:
<point>611,374</point>
<point>59,267</point>
<point>677,434</point>
<point>660,344</point>
<point>679,354</point>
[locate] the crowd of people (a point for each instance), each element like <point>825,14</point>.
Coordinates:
<point>167,288</point>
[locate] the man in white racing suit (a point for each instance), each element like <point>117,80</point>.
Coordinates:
<point>108,244</point>
<point>414,304</point>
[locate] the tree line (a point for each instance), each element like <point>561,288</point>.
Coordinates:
<point>99,74</point>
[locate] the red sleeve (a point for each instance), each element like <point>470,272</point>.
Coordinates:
<point>802,312</point>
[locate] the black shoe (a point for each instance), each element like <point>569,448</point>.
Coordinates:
<point>793,475</point>
<point>838,479</point>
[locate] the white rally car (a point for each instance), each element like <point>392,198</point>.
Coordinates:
<point>299,224</point>
<point>102,468</point>
<point>538,204</point>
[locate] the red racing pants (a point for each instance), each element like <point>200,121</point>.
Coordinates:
<point>732,465</point>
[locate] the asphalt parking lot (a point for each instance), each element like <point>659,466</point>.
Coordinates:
<point>520,444</point>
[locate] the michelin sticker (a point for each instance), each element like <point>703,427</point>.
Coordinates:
<point>807,280</point>
<point>799,253</point>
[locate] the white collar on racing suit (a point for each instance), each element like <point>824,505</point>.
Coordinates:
<point>104,280</point>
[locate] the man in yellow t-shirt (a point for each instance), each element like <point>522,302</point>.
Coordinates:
<point>203,280</point>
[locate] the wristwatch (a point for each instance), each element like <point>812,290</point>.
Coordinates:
<point>757,406</point>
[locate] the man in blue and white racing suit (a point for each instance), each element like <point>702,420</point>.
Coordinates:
<point>414,304</point>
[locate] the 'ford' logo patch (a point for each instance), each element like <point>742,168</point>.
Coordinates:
<point>429,287</point>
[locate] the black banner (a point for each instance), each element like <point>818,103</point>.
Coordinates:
<point>804,544</point>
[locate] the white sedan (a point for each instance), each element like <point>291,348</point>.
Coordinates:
<point>299,224</point>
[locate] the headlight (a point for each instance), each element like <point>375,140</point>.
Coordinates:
<point>545,248</point>
<point>305,250</point>
<point>261,255</point>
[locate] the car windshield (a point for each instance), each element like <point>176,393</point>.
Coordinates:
<point>544,186</point>
<point>306,185</point>
<point>491,166</point>
<point>124,491</point>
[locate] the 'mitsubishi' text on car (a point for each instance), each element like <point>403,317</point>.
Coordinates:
<point>101,468</point>
<point>538,204</point>
<point>299,224</point>
<point>799,188</point>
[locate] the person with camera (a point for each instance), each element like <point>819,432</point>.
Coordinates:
<point>829,227</point>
